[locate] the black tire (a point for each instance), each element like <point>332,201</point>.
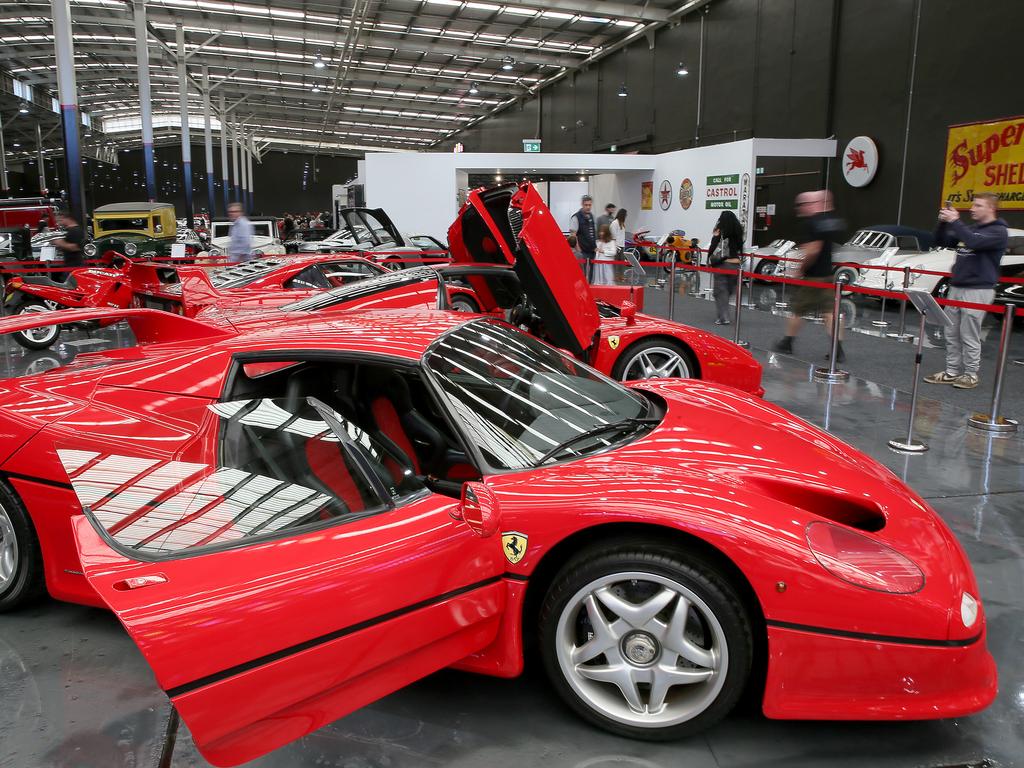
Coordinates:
<point>671,566</point>
<point>463,302</point>
<point>852,274</point>
<point>626,360</point>
<point>26,582</point>
<point>43,338</point>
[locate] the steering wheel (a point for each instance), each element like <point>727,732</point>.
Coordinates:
<point>523,314</point>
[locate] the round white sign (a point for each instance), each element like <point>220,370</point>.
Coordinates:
<point>860,161</point>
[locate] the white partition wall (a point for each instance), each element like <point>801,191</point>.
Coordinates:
<point>564,200</point>
<point>688,188</point>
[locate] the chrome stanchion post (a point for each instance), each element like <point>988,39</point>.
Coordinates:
<point>739,309</point>
<point>707,290</point>
<point>909,445</point>
<point>993,422</point>
<point>832,373</point>
<point>750,294</point>
<point>780,267</point>
<point>881,322</point>
<point>902,334</point>
<point>672,287</point>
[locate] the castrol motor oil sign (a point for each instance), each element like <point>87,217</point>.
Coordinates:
<point>985,157</point>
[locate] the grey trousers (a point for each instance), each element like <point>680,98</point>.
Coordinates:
<point>963,338</point>
<point>725,286</point>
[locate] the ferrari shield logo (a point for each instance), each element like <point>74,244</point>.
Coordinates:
<point>613,342</point>
<point>513,544</point>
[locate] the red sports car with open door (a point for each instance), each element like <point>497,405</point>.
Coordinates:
<point>295,522</point>
<point>510,228</point>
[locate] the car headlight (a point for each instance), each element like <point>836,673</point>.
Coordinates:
<point>89,249</point>
<point>862,561</point>
<point>130,249</point>
<point>968,610</point>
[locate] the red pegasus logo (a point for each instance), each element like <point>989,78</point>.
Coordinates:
<point>855,159</point>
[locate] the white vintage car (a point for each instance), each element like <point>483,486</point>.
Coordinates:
<point>935,260</point>
<point>265,241</point>
<point>779,247</point>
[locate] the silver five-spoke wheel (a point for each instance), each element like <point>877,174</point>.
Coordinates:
<point>656,362</point>
<point>8,551</point>
<point>642,649</point>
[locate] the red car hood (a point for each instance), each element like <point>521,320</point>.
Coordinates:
<point>512,225</point>
<point>723,459</point>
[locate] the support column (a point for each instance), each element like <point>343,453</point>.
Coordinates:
<point>243,166</point>
<point>224,173</point>
<point>236,187</point>
<point>145,97</point>
<point>252,187</point>
<point>208,128</point>
<point>67,92</point>
<point>39,161</point>
<point>186,141</point>
<point>5,187</point>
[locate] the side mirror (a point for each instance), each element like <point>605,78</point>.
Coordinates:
<point>479,508</point>
<point>628,312</point>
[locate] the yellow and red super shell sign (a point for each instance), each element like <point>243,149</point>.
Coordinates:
<point>985,157</point>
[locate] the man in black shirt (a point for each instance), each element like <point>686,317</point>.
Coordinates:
<point>70,245</point>
<point>823,228</point>
<point>583,226</point>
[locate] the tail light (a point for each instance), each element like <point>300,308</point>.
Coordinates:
<point>860,560</point>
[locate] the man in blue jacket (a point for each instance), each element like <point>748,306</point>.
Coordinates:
<point>583,226</point>
<point>979,249</point>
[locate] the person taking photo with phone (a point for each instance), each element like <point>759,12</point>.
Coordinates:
<point>979,249</point>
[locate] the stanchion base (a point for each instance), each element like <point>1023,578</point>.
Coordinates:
<point>781,304</point>
<point>880,323</point>
<point>1018,362</point>
<point>901,337</point>
<point>824,374</point>
<point>816,319</point>
<point>741,343</point>
<point>902,445</point>
<point>983,421</point>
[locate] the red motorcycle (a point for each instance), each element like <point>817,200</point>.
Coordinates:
<point>122,285</point>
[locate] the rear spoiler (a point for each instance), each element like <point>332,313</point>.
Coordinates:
<point>197,290</point>
<point>150,326</point>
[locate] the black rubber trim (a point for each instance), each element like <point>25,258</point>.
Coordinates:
<point>516,577</point>
<point>238,669</point>
<point>40,480</point>
<point>896,640</point>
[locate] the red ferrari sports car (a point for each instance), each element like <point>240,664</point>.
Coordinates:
<point>368,497</point>
<point>511,258</point>
<point>181,289</point>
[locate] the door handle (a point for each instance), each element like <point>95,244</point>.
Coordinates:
<point>138,582</point>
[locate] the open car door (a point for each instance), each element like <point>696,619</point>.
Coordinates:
<point>279,570</point>
<point>372,222</point>
<point>511,224</point>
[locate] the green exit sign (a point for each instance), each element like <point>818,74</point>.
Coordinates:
<point>531,145</point>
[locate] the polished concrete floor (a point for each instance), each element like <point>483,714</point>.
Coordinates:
<point>75,693</point>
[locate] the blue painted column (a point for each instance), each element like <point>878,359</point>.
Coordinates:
<point>224,173</point>
<point>67,92</point>
<point>211,197</point>
<point>186,140</point>
<point>145,97</point>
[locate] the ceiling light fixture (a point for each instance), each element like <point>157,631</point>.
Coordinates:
<point>622,90</point>
<point>318,62</point>
<point>508,63</point>
<point>316,89</point>
<point>474,89</point>
<point>681,70</point>
<point>23,109</point>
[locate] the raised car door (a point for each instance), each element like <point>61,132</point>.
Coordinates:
<point>277,572</point>
<point>513,225</point>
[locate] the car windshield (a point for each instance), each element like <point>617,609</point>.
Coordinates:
<point>122,224</point>
<point>523,403</point>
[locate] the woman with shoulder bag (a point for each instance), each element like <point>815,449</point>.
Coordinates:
<point>725,253</point>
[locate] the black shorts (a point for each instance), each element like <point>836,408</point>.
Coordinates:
<point>807,299</point>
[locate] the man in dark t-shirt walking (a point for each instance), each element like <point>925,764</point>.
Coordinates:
<point>70,245</point>
<point>823,229</point>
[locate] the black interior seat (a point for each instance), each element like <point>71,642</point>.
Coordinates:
<point>49,282</point>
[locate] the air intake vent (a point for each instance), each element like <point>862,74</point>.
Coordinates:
<point>515,220</point>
